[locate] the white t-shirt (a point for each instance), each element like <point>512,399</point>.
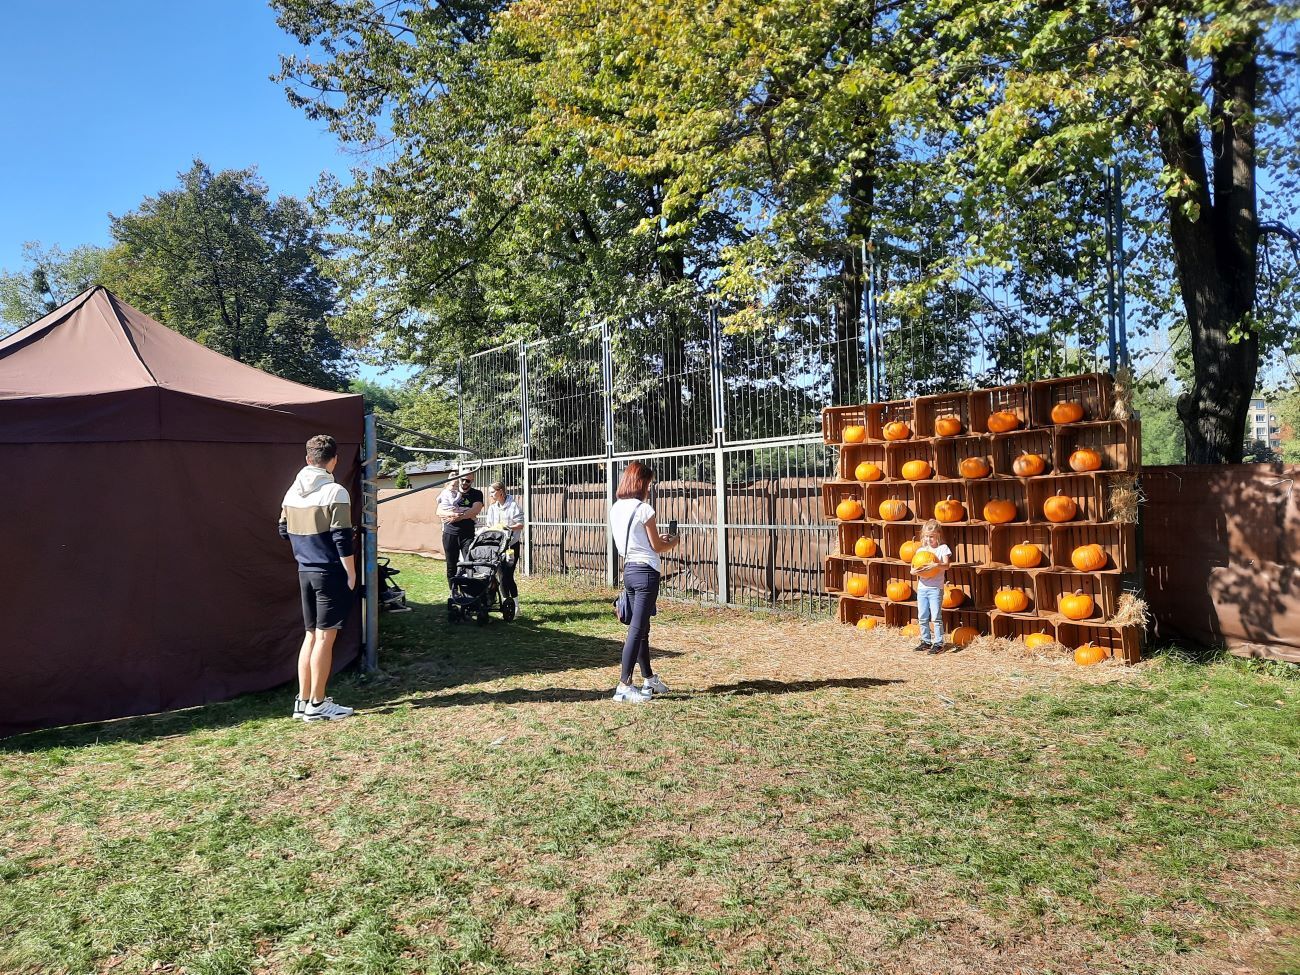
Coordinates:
<point>505,515</point>
<point>935,581</point>
<point>638,542</point>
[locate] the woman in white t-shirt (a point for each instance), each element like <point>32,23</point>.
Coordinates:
<point>632,522</point>
<point>929,587</point>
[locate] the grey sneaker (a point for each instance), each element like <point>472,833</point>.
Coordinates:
<point>654,686</point>
<point>627,694</point>
<point>327,710</point>
<point>299,708</point>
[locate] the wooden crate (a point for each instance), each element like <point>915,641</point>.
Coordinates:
<point>900,614</point>
<point>950,452</point>
<point>1018,627</point>
<point>1083,488</point>
<point>1002,538</point>
<point>953,618</point>
<point>969,543</point>
<point>880,574</point>
<point>1104,590</point>
<point>836,418</point>
<point>1005,448</point>
<point>878,414</point>
<point>853,454</point>
<point>985,402</point>
<point>851,531</point>
<point>896,534</point>
<point>980,493</point>
<point>1118,541</point>
<point>853,609</point>
<point>879,492</point>
<point>833,492</point>
<point>964,578</point>
<point>930,493</point>
<point>1123,642</point>
<point>837,569</point>
<point>989,581</point>
<point>898,454</point>
<point>930,408</point>
<point>1116,442</point>
<point>1094,392</point>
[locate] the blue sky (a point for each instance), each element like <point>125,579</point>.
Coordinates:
<point>103,103</point>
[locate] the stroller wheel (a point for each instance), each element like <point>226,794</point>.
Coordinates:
<point>454,614</point>
<point>507,609</point>
<point>481,616</point>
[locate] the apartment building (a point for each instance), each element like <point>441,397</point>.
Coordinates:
<point>1263,424</point>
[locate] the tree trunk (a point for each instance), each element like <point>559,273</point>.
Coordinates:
<point>1215,253</point>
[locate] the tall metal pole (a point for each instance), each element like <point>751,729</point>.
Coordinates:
<point>719,456</point>
<point>1112,344</point>
<point>1120,311</point>
<point>527,454</point>
<point>873,330</point>
<point>370,547</point>
<point>607,387</point>
<point>460,403</point>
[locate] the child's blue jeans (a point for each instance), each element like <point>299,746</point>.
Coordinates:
<point>929,603</point>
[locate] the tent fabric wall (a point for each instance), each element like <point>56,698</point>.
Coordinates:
<point>145,572</point>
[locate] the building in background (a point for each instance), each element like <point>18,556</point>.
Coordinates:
<point>1263,424</point>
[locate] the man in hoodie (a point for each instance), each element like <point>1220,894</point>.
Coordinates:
<point>317,519</point>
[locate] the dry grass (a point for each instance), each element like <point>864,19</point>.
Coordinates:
<point>1125,499</point>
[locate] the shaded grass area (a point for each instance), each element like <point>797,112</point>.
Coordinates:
<point>491,811</point>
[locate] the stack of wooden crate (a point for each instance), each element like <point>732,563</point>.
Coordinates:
<point>981,550</point>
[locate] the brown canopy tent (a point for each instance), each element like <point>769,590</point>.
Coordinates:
<point>141,476</point>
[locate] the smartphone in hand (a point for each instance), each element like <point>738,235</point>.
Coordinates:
<point>672,528</point>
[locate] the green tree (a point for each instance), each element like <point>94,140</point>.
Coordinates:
<point>50,276</point>
<point>1162,432</point>
<point>220,261</point>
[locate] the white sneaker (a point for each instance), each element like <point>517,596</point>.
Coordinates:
<point>654,686</point>
<point>627,694</point>
<point>327,710</point>
<point>299,708</point>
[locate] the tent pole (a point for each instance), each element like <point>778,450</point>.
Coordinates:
<point>370,549</point>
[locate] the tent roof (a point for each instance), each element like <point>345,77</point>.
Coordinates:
<point>97,343</point>
<point>98,370</point>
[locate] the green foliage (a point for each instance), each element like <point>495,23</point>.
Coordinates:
<point>1162,431</point>
<point>49,277</point>
<point>403,480</point>
<point>1288,414</point>
<point>220,261</point>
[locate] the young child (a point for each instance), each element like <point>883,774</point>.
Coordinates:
<point>929,587</point>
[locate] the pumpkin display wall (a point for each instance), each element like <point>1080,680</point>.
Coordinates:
<point>1054,444</point>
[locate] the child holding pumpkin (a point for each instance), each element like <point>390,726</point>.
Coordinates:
<point>929,586</point>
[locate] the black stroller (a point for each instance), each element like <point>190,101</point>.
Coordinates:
<point>476,587</point>
<point>392,597</point>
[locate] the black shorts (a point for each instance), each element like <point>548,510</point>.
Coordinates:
<point>326,599</point>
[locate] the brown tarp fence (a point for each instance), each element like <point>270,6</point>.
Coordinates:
<point>1221,550</point>
<point>141,476</point>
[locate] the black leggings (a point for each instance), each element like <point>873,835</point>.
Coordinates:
<point>509,589</point>
<point>642,582</point>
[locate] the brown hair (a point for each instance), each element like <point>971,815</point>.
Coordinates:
<point>321,449</point>
<point>635,482</point>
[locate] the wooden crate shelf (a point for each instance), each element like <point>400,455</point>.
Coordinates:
<point>837,569</point>
<point>950,452</point>
<point>896,534</point>
<point>1051,586</point>
<point>964,578</point>
<point>1081,488</point>
<point>850,531</point>
<point>836,418</point>
<point>981,493</point>
<point>953,618</point>
<point>880,574</point>
<point>1123,642</point>
<point>1117,541</point>
<point>1003,538</point>
<point>930,408</point>
<point>1113,441</point>
<point>1018,627</point>
<point>969,543</point>
<point>851,455</point>
<point>878,492</point>
<point>930,493</point>
<point>900,614</point>
<point>989,581</point>
<point>833,492</point>
<point>898,454</point>
<point>878,414</point>
<point>853,609</point>
<point>998,399</point>
<point>1094,392</point>
<point>1005,448</point>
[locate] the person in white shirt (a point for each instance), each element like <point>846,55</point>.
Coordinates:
<point>505,513</point>
<point>929,587</point>
<point>632,522</point>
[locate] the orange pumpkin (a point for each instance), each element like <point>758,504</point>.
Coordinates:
<point>865,548</point>
<point>867,471</point>
<point>1028,465</point>
<point>999,511</point>
<point>1089,654</point>
<point>855,434</point>
<point>953,596</point>
<point>949,510</point>
<point>893,509</point>
<point>897,430</point>
<point>1085,459</point>
<point>1011,600</point>
<point>974,467</point>
<point>855,586</point>
<point>1076,606</point>
<point>947,426</point>
<point>1067,412</point>
<point>867,623</point>
<point>850,509</point>
<point>1035,640</point>
<point>908,549</point>
<point>921,559</point>
<point>916,470</point>
<point>1003,421</point>
<point>1059,508</point>
<point>1026,555</point>
<point>899,590</point>
<point>963,635</point>
<point>1089,558</point>
<point>911,629</point>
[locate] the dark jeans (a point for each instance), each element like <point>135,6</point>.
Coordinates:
<point>451,545</point>
<point>508,588</point>
<point>643,584</point>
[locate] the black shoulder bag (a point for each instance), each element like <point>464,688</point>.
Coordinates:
<point>623,604</point>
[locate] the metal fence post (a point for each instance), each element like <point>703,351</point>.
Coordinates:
<point>370,548</point>
<point>607,388</point>
<point>719,455</point>
<point>526,452</point>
